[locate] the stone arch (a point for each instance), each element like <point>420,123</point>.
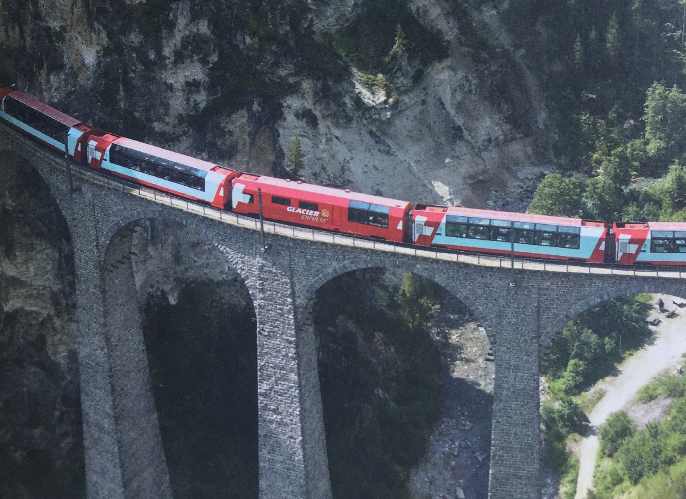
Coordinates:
<point>629,287</point>
<point>143,459</point>
<point>200,226</point>
<point>462,389</point>
<point>307,293</point>
<point>55,193</point>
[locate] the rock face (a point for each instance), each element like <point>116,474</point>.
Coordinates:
<point>40,422</point>
<point>456,119</point>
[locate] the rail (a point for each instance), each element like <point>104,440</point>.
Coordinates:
<point>336,238</point>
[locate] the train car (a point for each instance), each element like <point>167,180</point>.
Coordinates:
<point>489,231</point>
<point>656,243</point>
<point>321,207</point>
<point>162,169</point>
<point>45,124</point>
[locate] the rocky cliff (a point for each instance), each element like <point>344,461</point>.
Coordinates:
<point>424,100</point>
<point>41,452</point>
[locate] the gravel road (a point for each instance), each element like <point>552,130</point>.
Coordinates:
<point>637,371</point>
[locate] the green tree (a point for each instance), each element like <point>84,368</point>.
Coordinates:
<point>671,190</point>
<point>613,41</point>
<point>665,120</point>
<point>416,304</point>
<point>641,454</point>
<point>295,156</point>
<point>603,199</point>
<point>560,196</point>
<point>617,168</point>
<point>562,418</point>
<point>615,431</point>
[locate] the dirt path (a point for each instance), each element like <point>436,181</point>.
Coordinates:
<point>637,371</point>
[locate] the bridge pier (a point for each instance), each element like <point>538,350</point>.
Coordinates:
<point>122,444</point>
<point>515,436</point>
<point>292,452</point>
<point>101,449</point>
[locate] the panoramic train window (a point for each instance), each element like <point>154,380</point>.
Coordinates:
<point>545,238</point>
<point>368,214</point>
<point>158,167</point>
<point>501,231</point>
<point>456,226</point>
<point>308,206</point>
<point>568,237</point>
<point>501,234</point>
<point>281,201</point>
<point>478,232</point>
<point>36,120</point>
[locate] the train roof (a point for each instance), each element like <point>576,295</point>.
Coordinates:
<point>512,215</point>
<point>322,191</point>
<point>681,226</point>
<point>44,108</point>
<point>166,154</point>
<point>667,225</point>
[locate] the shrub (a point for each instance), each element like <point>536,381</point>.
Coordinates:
<point>615,431</point>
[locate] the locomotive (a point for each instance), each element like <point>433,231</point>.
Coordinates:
<point>342,210</point>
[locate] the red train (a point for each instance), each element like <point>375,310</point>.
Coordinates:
<point>325,208</point>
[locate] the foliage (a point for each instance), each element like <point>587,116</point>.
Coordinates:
<point>665,116</point>
<point>588,346</point>
<point>562,418</point>
<point>380,377</point>
<point>615,431</point>
<point>559,196</point>
<point>654,458</point>
<point>295,156</point>
<point>599,66</point>
<point>385,27</point>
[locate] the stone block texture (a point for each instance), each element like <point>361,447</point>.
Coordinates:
<point>520,310</point>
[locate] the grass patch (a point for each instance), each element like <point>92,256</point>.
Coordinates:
<point>588,400</point>
<point>644,297</point>
<point>664,385</point>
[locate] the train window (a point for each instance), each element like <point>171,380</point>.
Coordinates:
<point>479,221</point>
<point>524,236</point>
<point>308,206</point>
<point>546,227</point>
<point>679,234</point>
<point>680,245</point>
<point>453,229</point>
<point>501,234</point>
<point>662,246</point>
<point>501,223</point>
<point>661,234</point>
<point>568,230</point>
<point>36,120</point>
<point>158,167</point>
<point>545,237</point>
<point>368,214</point>
<point>478,232</point>
<point>568,240</point>
<point>523,225</point>
<point>456,219</point>
<point>281,201</point>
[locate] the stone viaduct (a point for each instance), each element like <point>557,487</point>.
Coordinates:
<point>521,310</point>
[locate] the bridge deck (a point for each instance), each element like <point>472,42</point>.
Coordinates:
<point>348,240</point>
